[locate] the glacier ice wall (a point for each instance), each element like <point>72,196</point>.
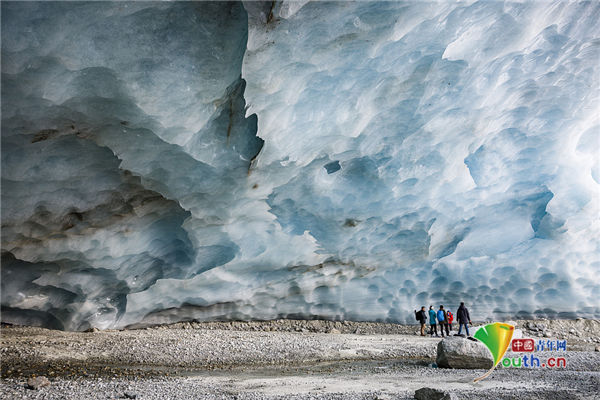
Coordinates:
<point>169,161</point>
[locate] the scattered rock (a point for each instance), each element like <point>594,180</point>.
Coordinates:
<point>128,395</point>
<point>463,354</point>
<point>597,348</point>
<point>434,394</point>
<point>335,331</point>
<point>37,382</point>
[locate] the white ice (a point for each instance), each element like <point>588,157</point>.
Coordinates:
<point>345,160</point>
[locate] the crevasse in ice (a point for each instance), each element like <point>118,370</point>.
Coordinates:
<point>171,161</point>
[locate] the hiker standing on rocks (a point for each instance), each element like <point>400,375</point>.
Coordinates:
<point>462,314</point>
<point>450,317</point>
<point>421,316</point>
<point>432,321</point>
<point>443,321</point>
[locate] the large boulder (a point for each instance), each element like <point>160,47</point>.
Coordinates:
<point>461,353</point>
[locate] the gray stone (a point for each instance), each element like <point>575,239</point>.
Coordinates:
<point>463,354</point>
<point>434,394</point>
<point>37,382</point>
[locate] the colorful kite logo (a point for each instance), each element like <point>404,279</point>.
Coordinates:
<point>496,337</point>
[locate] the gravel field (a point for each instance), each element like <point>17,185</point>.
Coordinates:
<point>278,359</point>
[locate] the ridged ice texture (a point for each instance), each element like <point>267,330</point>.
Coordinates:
<point>414,153</point>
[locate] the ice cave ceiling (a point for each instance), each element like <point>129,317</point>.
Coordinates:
<point>348,160</point>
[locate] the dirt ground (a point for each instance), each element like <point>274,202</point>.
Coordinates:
<point>279,359</point>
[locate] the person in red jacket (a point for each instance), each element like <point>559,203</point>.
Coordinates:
<point>450,317</point>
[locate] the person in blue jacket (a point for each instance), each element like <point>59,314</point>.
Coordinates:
<point>443,321</point>
<point>432,324</point>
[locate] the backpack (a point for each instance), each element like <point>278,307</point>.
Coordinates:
<point>450,316</point>
<point>440,315</point>
<point>417,315</point>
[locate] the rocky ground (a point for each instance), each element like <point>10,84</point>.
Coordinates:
<point>279,359</point>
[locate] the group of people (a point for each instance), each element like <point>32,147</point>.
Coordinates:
<point>443,319</point>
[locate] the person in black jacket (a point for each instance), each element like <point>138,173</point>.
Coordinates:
<point>462,314</point>
<point>422,318</point>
